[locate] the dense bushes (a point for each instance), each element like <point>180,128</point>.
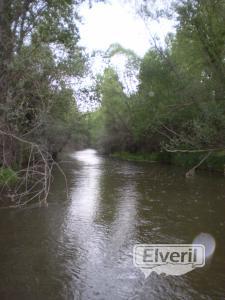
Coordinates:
<point>179,103</point>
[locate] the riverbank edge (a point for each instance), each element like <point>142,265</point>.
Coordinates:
<point>215,162</point>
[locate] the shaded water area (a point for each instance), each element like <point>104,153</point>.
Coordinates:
<point>81,248</point>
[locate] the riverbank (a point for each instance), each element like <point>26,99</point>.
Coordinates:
<point>215,162</point>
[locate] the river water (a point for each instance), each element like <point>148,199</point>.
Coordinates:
<point>81,248</point>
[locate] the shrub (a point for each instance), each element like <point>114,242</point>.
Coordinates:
<point>8,176</point>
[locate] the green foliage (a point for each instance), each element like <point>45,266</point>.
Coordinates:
<point>215,162</point>
<point>39,53</point>
<point>8,176</point>
<point>95,127</point>
<point>179,104</point>
<point>113,119</point>
<point>141,157</point>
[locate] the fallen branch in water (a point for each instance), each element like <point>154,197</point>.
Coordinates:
<point>191,172</point>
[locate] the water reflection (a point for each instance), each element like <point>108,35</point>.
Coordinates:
<point>85,193</point>
<point>101,220</point>
<point>87,157</point>
<point>82,248</point>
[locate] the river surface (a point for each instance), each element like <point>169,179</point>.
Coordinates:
<point>81,248</point>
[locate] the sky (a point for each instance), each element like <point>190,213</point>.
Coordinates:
<point>117,22</point>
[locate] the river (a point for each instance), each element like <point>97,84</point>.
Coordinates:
<point>81,247</point>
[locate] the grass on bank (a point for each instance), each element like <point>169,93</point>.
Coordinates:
<point>215,162</point>
<point>7,176</point>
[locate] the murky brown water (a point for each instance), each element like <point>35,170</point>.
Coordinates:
<point>82,248</point>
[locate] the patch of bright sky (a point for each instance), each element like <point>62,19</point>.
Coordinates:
<point>118,22</point>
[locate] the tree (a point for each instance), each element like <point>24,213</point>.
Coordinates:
<point>38,51</point>
<point>179,102</point>
<point>115,111</point>
<point>38,114</point>
<point>202,26</point>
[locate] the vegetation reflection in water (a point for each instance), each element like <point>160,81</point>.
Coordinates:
<point>82,248</point>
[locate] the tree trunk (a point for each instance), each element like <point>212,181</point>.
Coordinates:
<point>6,55</point>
